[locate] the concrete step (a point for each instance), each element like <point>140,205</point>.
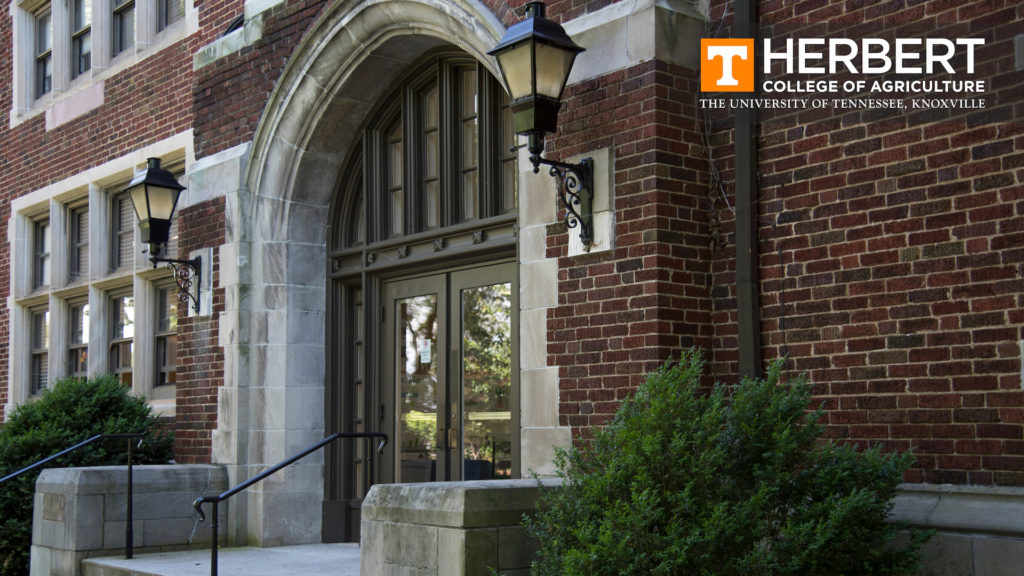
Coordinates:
<point>334,559</point>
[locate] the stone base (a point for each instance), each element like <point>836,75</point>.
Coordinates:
<point>448,528</point>
<point>81,512</point>
<point>980,528</point>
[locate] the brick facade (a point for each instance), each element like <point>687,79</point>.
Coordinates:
<point>223,119</point>
<point>890,252</point>
<point>200,356</point>
<point>891,247</point>
<point>623,312</point>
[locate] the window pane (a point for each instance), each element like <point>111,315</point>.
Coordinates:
<point>468,81</point>
<point>166,340</point>
<point>79,243</point>
<point>469,144</point>
<point>41,330</point>
<point>78,361</point>
<point>44,56</point>
<point>470,184</point>
<point>396,179</point>
<point>396,163</point>
<point>433,190</point>
<point>167,313</point>
<point>81,54</point>
<point>124,237</point>
<point>508,156</point>
<point>508,135</point>
<point>39,371</point>
<point>124,27</point>
<point>81,37</point>
<point>170,12</point>
<point>78,349</point>
<point>122,323</point>
<point>82,16</point>
<point>508,185</point>
<point>431,160</point>
<point>80,323</point>
<point>44,33</point>
<point>44,75</point>
<point>41,261</point>
<point>122,317</point>
<point>166,360</point>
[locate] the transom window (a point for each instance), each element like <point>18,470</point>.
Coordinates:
<point>442,140</point>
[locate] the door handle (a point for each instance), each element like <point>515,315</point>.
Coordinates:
<point>453,438</point>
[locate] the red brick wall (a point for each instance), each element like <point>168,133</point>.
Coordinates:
<point>200,356</point>
<point>231,93</point>
<point>892,253</point>
<point>623,312</point>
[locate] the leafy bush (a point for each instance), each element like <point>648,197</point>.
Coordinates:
<point>729,481</point>
<point>70,413</point>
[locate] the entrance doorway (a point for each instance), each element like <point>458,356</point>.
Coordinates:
<point>449,376</point>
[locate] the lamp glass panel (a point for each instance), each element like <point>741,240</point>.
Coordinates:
<point>162,202</point>
<point>138,196</point>
<point>515,65</point>
<point>553,66</point>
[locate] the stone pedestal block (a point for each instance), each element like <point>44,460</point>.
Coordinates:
<point>81,512</point>
<point>979,529</point>
<point>449,528</point>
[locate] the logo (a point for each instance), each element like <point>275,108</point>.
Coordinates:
<point>727,65</point>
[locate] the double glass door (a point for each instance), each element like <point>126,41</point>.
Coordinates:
<point>450,376</point>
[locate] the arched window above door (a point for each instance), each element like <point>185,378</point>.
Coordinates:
<point>438,153</point>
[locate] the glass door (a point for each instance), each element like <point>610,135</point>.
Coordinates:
<point>450,378</point>
<point>416,376</point>
<point>484,384</point>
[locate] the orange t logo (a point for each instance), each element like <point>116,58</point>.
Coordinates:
<point>727,65</point>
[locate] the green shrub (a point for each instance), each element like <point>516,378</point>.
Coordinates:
<point>71,412</point>
<point>729,481</point>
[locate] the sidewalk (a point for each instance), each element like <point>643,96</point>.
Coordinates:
<point>334,559</point>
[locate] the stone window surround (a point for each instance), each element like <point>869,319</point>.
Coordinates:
<point>60,104</point>
<point>57,200</point>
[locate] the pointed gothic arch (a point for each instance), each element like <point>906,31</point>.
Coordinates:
<point>273,324</point>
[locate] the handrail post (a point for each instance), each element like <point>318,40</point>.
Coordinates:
<point>128,531</point>
<point>213,546</point>
<point>370,463</point>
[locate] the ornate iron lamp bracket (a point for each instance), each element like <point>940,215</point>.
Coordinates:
<point>575,191</point>
<point>184,271</point>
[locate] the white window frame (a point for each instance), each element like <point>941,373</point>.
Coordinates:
<point>149,40</point>
<point>57,202</point>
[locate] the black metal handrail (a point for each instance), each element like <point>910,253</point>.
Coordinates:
<point>214,500</point>
<point>128,553</point>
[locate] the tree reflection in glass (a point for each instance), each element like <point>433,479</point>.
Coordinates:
<point>418,388</point>
<point>487,381</point>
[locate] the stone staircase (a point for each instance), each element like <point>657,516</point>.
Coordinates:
<point>334,559</point>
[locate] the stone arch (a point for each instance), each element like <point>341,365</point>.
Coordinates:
<point>275,355</point>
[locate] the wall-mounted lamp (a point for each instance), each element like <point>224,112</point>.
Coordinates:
<point>535,57</point>
<point>154,193</point>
